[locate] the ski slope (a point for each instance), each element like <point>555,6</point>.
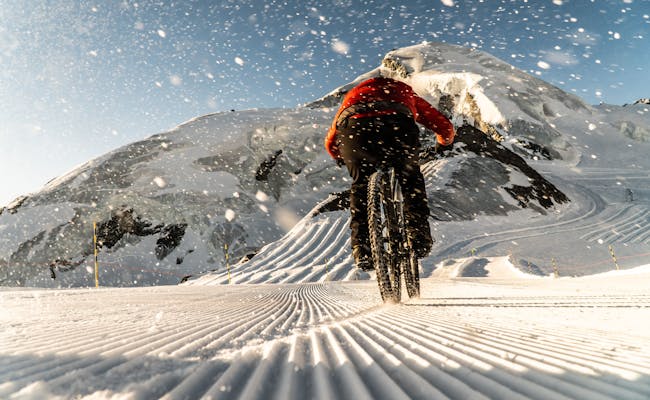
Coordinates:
<point>506,335</point>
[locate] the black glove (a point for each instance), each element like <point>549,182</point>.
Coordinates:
<point>340,162</point>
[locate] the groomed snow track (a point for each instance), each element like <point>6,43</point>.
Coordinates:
<point>468,338</point>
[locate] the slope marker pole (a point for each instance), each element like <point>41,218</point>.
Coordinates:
<point>611,251</point>
<point>95,247</point>
<point>225,248</point>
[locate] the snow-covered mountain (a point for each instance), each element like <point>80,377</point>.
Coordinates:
<point>167,205</point>
<point>536,173</point>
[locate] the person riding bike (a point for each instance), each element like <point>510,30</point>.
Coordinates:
<point>376,126</point>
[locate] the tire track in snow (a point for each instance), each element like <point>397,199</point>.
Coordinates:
<point>622,230</point>
<point>594,224</point>
<point>595,207</point>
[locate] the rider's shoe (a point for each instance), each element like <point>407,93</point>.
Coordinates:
<point>362,258</point>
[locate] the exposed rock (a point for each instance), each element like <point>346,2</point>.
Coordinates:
<point>534,150</point>
<point>170,238</point>
<point>13,207</point>
<point>394,64</point>
<point>634,131</point>
<point>537,136</point>
<point>263,171</point>
<point>540,190</point>
<point>231,238</point>
<point>122,222</point>
<point>476,184</point>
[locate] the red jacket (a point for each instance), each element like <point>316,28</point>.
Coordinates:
<point>392,91</point>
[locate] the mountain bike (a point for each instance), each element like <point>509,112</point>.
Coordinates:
<point>392,252</point>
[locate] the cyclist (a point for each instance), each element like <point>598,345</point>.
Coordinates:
<point>375,126</point>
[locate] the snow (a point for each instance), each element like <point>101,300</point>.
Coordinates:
<point>642,271</point>
<point>459,85</point>
<point>492,267</point>
<point>505,335</point>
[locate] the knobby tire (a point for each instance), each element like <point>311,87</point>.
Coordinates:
<point>377,225</point>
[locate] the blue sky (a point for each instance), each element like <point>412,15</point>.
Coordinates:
<point>80,78</point>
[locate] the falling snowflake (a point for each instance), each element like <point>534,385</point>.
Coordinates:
<point>175,80</point>
<point>230,214</point>
<point>340,46</point>
<point>160,182</point>
<point>261,196</point>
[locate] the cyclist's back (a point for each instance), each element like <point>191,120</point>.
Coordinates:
<point>376,127</point>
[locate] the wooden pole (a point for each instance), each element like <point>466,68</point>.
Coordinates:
<point>95,246</point>
<point>225,247</point>
<point>611,251</point>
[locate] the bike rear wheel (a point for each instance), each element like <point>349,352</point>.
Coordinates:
<point>384,236</point>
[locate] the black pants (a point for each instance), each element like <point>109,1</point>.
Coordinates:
<point>368,143</point>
